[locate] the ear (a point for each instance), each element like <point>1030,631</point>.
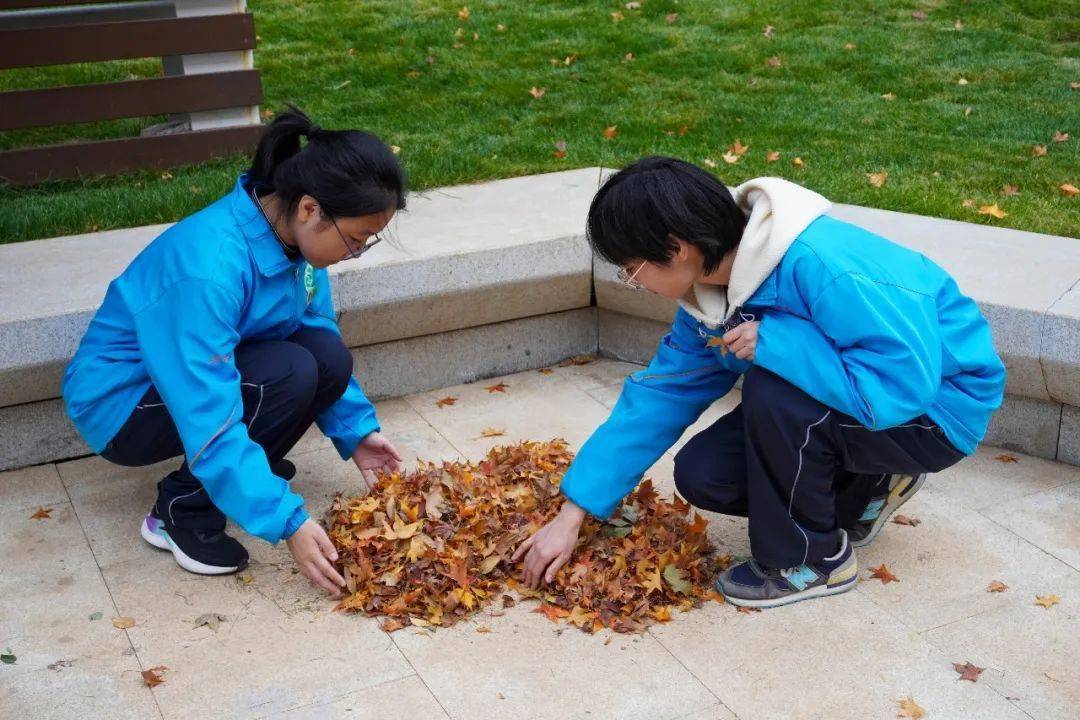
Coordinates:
<point>684,251</point>
<point>307,208</point>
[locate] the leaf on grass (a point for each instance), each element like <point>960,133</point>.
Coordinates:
<point>849,46</point>
<point>883,574</point>
<point>463,13</point>
<point>537,93</point>
<point>968,671</point>
<point>1060,136</point>
<point>671,18</point>
<point>910,709</point>
<point>774,62</point>
<point>962,81</point>
<point>497,387</point>
<point>446,401</point>
<point>992,210</point>
<point>768,31</point>
<point>969,203</point>
<point>889,96</point>
<point>153,676</point>
<point>709,162</point>
<point>42,514</point>
<point>996,587</point>
<point>919,15</point>
<point>798,162</point>
<point>560,149</point>
<point>772,156</point>
<point>1038,150</point>
<point>1047,601</point>
<point>1010,190</point>
<point>1006,458</point>
<point>1069,189</point>
<point>210,620</point>
<point>905,520</point>
<point>616,17</point>
<point>878,179</point>
<point>730,158</point>
<point>610,132</point>
<point>123,623</point>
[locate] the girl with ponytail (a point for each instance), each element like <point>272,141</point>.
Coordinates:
<point>219,342</point>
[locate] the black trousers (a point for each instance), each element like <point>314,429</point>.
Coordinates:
<point>798,469</point>
<point>285,384</point>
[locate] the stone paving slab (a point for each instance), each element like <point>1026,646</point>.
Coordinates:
<point>282,653</point>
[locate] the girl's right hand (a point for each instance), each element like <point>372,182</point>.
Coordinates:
<point>313,552</point>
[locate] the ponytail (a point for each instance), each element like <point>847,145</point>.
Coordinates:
<point>349,172</point>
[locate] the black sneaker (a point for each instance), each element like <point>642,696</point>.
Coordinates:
<point>750,585</point>
<point>878,510</point>
<point>198,551</point>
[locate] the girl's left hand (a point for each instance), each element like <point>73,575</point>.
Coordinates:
<point>742,340</point>
<point>373,453</point>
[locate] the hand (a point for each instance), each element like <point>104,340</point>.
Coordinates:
<point>549,548</point>
<point>313,552</point>
<point>742,340</point>
<point>373,453</point>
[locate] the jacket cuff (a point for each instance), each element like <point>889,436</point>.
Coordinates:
<point>298,518</point>
<point>347,442</point>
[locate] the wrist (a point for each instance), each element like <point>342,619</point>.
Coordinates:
<point>572,514</point>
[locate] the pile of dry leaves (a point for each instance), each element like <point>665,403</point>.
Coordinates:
<point>434,546</point>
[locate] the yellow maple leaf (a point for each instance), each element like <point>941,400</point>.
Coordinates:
<point>992,210</point>
<point>1047,601</point>
<point>910,709</point>
<point>878,179</point>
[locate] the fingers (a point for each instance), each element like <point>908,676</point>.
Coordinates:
<point>553,568</point>
<point>316,577</point>
<point>734,334</point>
<point>393,452</point>
<point>326,547</point>
<point>524,547</point>
<point>329,572</point>
<point>369,478</point>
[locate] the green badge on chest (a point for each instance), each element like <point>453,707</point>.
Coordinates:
<point>309,282</point>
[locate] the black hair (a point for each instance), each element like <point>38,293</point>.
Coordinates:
<point>349,172</point>
<point>640,208</point>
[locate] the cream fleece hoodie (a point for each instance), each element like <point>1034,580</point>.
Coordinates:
<point>777,211</point>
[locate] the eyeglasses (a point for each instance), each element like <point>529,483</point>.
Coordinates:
<point>628,278</point>
<point>353,254</point>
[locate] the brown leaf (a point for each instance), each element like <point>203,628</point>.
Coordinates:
<point>545,371</point>
<point>497,387</point>
<point>849,46</point>
<point>774,62</point>
<point>772,156</point>
<point>1038,150</point>
<point>1074,86</point>
<point>768,31</point>
<point>969,203</point>
<point>996,587</point>
<point>391,624</point>
<point>992,210</point>
<point>883,574</point>
<point>616,17</point>
<point>737,148</point>
<point>446,401</point>
<point>747,610</point>
<point>492,432</point>
<point>1069,190</point>
<point>1047,601</point>
<point>671,18</point>
<point>483,629</point>
<point>878,179</point>
<point>610,132</point>
<point>968,671</point>
<point>537,93</point>
<point>123,623</point>
<point>463,13</point>
<point>730,158</point>
<point>910,709</point>
<point>1006,458</point>
<point>919,15</point>
<point>1010,190</point>
<point>1060,136</point>
<point>905,520</point>
<point>152,677</point>
<point>42,514</point>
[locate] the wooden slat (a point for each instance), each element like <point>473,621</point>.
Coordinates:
<point>26,4</point>
<point>31,166</point>
<point>126,39</point>
<point>131,98</point>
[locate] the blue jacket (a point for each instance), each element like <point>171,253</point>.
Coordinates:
<point>863,325</point>
<point>174,318</point>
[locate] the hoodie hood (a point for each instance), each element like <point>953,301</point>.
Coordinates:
<point>777,212</point>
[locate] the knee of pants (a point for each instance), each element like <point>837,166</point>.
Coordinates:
<point>699,480</point>
<point>336,367</point>
<point>301,380</point>
<point>763,393</point>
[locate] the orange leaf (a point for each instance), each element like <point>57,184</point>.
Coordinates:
<point>878,179</point>
<point>152,677</point>
<point>905,520</point>
<point>996,587</point>
<point>798,162</point>
<point>699,525</point>
<point>774,61</point>
<point>391,624</point>
<point>497,387</point>
<point>910,709</point>
<point>882,573</point>
<point>42,514</point>
<point>968,671</point>
<point>671,18</point>
<point>1010,190</point>
<point>123,623</point>
<point>1006,458</point>
<point>611,131</point>
<point>545,371</point>
<point>772,156</point>
<point>1038,150</point>
<point>446,401</point>
<point>538,93</point>
<point>1068,189</point>
<point>552,612</point>
<point>1060,136</point>
<point>492,432</point>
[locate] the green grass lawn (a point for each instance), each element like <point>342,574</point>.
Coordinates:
<point>454,94</point>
